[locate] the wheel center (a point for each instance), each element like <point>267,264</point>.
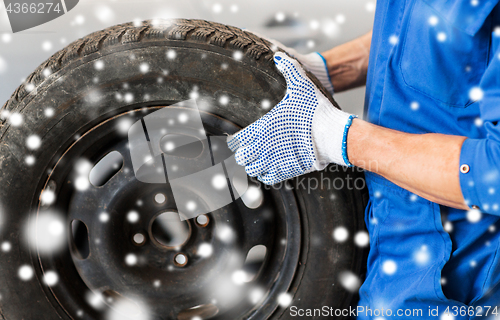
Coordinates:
<point>168,230</point>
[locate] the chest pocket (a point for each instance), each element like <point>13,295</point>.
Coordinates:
<point>440,60</point>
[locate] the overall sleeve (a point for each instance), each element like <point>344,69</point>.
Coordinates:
<point>480,158</point>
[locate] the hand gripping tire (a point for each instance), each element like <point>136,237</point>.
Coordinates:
<point>70,107</point>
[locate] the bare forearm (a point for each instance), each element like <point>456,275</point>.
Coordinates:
<point>348,63</point>
<point>425,164</point>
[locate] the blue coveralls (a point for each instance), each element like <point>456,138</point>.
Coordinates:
<point>435,67</point>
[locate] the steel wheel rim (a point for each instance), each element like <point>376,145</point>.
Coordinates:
<point>286,218</point>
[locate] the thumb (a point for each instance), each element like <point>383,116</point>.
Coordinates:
<point>290,68</point>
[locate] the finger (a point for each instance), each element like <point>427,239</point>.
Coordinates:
<point>290,68</point>
<point>245,136</point>
<point>245,155</point>
<point>257,167</point>
<point>270,178</point>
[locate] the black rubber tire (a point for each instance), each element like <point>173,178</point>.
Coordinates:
<point>204,58</point>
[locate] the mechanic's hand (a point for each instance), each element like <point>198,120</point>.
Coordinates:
<point>304,132</point>
<point>314,62</point>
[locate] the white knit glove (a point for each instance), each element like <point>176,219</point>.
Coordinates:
<point>314,62</point>
<point>304,132</point>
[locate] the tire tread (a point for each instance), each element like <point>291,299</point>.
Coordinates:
<point>151,30</point>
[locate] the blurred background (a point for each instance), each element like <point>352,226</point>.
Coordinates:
<point>312,25</point>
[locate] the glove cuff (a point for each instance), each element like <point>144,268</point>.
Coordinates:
<point>329,131</point>
<point>316,63</point>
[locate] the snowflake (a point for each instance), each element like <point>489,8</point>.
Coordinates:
<point>256,294</point>
<point>79,19</point>
<point>137,22</point>
<point>476,94</point>
<point>30,160</point>
<point>6,37</point>
<point>99,65</point>
<point>129,97</point>
<point>46,45</point>
<point>362,239</point>
<point>104,14</point>
<point>183,117</point>
<point>474,215</point>
<point>224,100</point>
<point>280,17</point>
<point>6,246</point>
<point>265,104</point>
<point>370,6</point>
<point>219,182</point>
<point>171,54</point>
<point>285,299</point>
<point>25,272</point>
<point>205,250</point>
<point>393,39</point>
<point>448,226</point>
<point>433,20</point>
<point>225,233</point>
<point>93,96</point>
<point>16,119</point>
<point>314,24</point>
<point>124,125</point>
<point>237,55</point>
<point>96,300</point>
<point>82,183</point>
<point>217,8</point>
<point>239,277</point>
<point>389,267</point>
<point>340,234</point>
<point>349,281</point>
<point>414,105</point>
<point>133,216</point>
<point>46,233</point>
<point>48,197</point>
<point>496,31</point>
<point>144,67</point>
<point>441,36</point>
<point>340,19</point>
<point>478,122</point>
<point>50,278</point>
<point>104,217</point>
<point>131,259</point>
<point>330,28</point>
<point>49,112</point>
<point>447,316</point>
<point>422,255</point>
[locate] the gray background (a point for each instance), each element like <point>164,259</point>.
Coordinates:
<point>312,25</point>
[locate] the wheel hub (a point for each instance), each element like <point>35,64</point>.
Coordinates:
<point>128,242</point>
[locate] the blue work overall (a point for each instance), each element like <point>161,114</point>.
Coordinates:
<point>435,68</point>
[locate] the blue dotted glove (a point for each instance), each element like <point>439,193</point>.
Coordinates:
<point>281,144</point>
<point>314,61</point>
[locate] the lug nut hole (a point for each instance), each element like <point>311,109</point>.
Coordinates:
<point>202,220</point>
<point>160,198</point>
<point>139,239</point>
<point>180,260</point>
